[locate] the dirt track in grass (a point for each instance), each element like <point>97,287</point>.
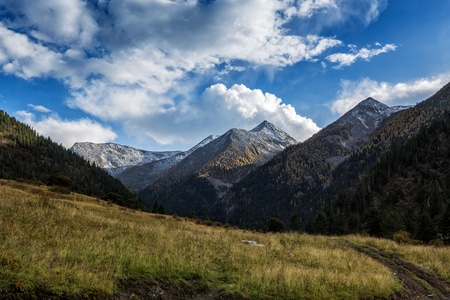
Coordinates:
<point>417,283</point>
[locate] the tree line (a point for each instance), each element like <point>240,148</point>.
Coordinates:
<point>24,154</point>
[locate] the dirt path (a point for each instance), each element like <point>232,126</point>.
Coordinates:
<point>417,283</point>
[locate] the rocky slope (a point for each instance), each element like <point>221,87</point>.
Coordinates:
<point>115,158</point>
<point>279,187</point>
<point>196,182</point>
<point>135,168</point>
<point>142,175</point>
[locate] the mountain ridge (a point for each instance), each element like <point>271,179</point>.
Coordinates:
<point>279,187</point>
<point>217,166</point>
<point>28,156</point>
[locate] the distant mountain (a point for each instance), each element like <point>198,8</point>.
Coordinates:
<point>115,158</point>
<point>406,188</point>
<point>279,188</point>
<point>399,180</point>
<point>135,168</point>
<point>25,155</point>
<point>195,184</point>
<point>354,128</point>
<point>140,176</point>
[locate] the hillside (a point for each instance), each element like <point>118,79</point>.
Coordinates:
<point>61,246</point>
<point>115,158</point>
<point>26,155</point>
<point>280,187</point>
<point>408,188</point>
<point>195,184</point>
<point>387,178</point>
<point>140,176</point>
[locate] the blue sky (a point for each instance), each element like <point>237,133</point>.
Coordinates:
<point>164,74</point>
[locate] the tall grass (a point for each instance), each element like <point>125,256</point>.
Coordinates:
<point>432,258</point>
<point>83,246</point>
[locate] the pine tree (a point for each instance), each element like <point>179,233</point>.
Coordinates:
<point>296,223</point>
<point>427,230</point>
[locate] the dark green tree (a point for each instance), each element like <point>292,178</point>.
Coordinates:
<point>295,223</point>
<point>60,179</point>
<point>444,224</point>
<point>321,224</point>
<point>275,225</point>
<point>158,208</point>
<point>427,230</point>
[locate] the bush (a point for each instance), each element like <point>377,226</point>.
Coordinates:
<point>59,179</point>
<point>113,197</point>
<point>275,225</point>
<point>403,237</point>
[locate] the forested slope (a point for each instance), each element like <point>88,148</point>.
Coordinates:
<point>408,188</point>
<point>26,155</point>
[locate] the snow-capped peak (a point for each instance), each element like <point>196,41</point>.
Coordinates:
<point>271,131</point>
<point>111,156</point>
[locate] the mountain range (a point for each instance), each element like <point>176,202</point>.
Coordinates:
<point>285,184</point>
<point>27,156</point>
<point>339,196</point>
<point>217,162</point>
<point>136,168</point>
<point>198,181</point>
<point>377,169</point>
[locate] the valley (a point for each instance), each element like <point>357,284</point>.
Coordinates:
<point>245,215</point>
<point>77,247</point>
<point>377,170</point>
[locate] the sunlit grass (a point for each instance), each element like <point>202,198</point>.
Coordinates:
<point>432,258</point>
<point>83,246</point>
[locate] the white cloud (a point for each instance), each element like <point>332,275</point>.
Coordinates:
<point>323,14</point>
<point>22,57</point>
<point>309,8</point>
<point>67,22</point>
<point>219,109</point>
<point>39,108</point>
<point>246,107</point>
<point>347,59</point>
<point>67,132</point>
<point>149,42</point>
<point>132,61</point>
<point>402,93</point>
<point>112,102</point>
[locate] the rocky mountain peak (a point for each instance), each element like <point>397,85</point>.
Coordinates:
<point>355,127</point>
<point>373,104</point>
<point>264,125</point>
<point>370,107</point>
<point>272,132</point>
<point>368,113</point>
<point>115,158</point>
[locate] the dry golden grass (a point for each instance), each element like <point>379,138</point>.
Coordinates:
<point>76,245</point>
<point>432,258</point>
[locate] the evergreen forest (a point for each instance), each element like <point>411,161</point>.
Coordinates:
<point>25,155</point>
<point>406,190</point>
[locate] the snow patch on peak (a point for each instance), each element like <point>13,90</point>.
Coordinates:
<point>271,132</point>
<point>355,126</point>
<point>111,156</point>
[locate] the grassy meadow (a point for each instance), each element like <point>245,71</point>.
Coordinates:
<point>77,246</point>
<point>433,259</point>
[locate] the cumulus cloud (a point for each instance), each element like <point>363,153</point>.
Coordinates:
<point>347,59</point>
<point>248,107</point>
<point>67,132</point>
<point>39,108</point>
<point>157,42</point>
<point>402,93</point>
<point>218,109</point>
<point>324,14</point>
<point>136,62</point>
<point>22,57</point>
